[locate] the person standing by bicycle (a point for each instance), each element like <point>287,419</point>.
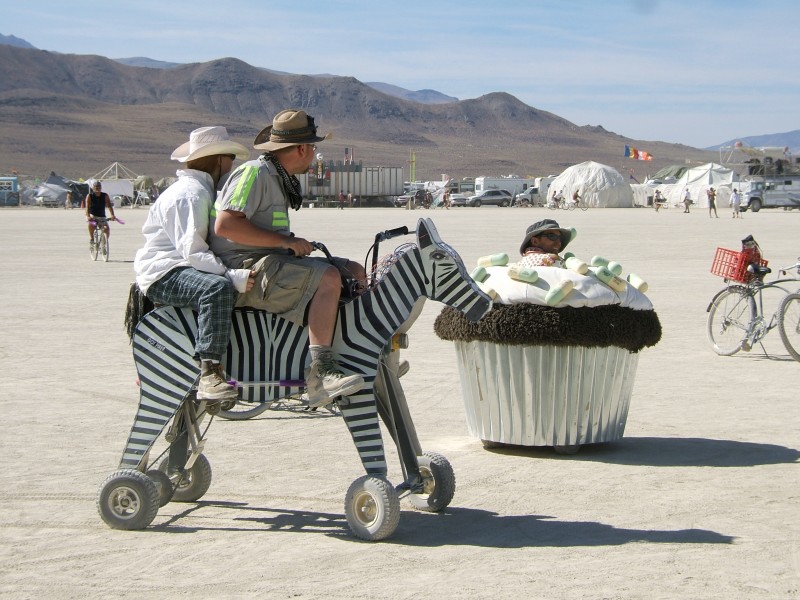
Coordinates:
<point>251,229</point>
<point>96,203</point>
<point>176,267</point>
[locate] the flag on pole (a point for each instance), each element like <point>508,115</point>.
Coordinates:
<point>637,154</point>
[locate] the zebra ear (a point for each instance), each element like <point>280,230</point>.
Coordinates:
<point>427,234</point>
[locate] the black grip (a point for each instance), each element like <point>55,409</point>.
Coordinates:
<point>392,233</point>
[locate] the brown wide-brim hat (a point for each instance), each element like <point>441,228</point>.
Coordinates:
<point>290,127</point>
<point>541,227</point>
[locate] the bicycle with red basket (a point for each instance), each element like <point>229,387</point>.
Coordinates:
<point>736,319</point>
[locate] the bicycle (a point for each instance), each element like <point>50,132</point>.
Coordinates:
<point>736,319</point>
<point>99,243</point>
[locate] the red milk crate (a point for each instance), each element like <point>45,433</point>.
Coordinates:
<point>733,265</point>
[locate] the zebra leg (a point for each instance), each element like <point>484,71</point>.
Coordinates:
<point>360,415</point>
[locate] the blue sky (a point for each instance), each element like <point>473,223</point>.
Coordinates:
<point>697,73</point>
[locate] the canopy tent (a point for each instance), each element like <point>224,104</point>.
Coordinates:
<point>697,180</point>
<point>597,184</point>
<point>673,171</point>
<point>117,180</point>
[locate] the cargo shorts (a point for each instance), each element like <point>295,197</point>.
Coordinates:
<point>284,285</point>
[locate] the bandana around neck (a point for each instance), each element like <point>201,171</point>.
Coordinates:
<point>291,184</point>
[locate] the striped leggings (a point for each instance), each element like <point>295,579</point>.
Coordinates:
<point>212,296</point>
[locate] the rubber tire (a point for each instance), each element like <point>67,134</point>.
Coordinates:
<point>241,412</point>
<point>104,246</point>
<point>755,205</point>
<point>476,204</point>
<point>789,324</point>
<point>165,488</point>
<point>372,508</point>
<point>439,480</point>
<point>503,203</point>
<point>128,499</point>
<point>94,249</point>
<point>745,308</point>
<point>195,484</point>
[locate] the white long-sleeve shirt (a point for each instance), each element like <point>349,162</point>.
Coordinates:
<point>176,231</point>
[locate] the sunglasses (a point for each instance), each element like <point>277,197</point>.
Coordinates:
<point>553,237</point>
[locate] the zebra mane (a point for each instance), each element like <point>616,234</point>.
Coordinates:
<point>386,263</point>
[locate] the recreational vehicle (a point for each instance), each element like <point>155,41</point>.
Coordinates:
<point>772,192</point>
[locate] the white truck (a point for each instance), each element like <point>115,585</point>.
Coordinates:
<point>772,192</point>
<point>378,185</point>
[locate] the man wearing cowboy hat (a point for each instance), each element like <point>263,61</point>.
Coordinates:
<point>176,266</point>
<point>251,230</point>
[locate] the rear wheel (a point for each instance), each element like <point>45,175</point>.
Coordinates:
<point>729,317</point>
<point>476,203</point>
<point>193,483</point>
<point>789,324</point>
<point>438,482</point>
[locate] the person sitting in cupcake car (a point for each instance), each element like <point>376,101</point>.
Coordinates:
<point>542,244</point>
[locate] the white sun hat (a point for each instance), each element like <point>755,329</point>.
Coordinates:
<point>209,141</point>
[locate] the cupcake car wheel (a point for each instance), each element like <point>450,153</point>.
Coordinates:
<point>438,481</point>
<point>372,508</point>
<point>128,499</point>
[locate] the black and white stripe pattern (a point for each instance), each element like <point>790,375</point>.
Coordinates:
<point>265,347</point>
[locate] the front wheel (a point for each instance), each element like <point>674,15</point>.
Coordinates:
<point>438,482</point>
<point>729,317</point>
<point>94,245</point>
<point>789,324</point>
<point>755,205</point>
<point>128,499</point>
<point>584,206</point>
<point>104,246</point>
<point>372,508</point>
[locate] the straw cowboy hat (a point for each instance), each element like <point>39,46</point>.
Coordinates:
<point>541,227</point>
<point>209,141</point>
<point>290,127</point>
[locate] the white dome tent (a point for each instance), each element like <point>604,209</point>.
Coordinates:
<point>599,185</point>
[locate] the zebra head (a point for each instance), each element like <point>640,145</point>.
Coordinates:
<point>446,277</point>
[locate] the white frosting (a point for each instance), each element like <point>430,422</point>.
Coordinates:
<point>587,290</point>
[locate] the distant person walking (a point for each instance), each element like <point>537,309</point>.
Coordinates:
<point>712,202</point>
<point>68,201</point>
<point>658,200</point>
<point>687,200</point>
<point>736,204</point>
<point>341,199</point>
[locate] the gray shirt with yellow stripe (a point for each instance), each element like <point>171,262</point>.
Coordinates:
<point>255,189</point>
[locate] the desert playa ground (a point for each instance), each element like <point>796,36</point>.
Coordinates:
<point>700,499</point>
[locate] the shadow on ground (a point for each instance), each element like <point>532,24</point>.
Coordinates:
<point>668,452</point>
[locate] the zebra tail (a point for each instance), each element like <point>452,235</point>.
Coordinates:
<point>138,306</point>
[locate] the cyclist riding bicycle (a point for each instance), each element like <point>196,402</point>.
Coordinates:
<point>96,203</point>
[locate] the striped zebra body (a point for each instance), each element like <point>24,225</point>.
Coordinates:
<point>266,347</point>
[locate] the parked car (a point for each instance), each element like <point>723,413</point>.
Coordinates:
<point>490,197</point>
<point>418,195</point>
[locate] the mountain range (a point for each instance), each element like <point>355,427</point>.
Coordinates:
<point>75,114</point>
